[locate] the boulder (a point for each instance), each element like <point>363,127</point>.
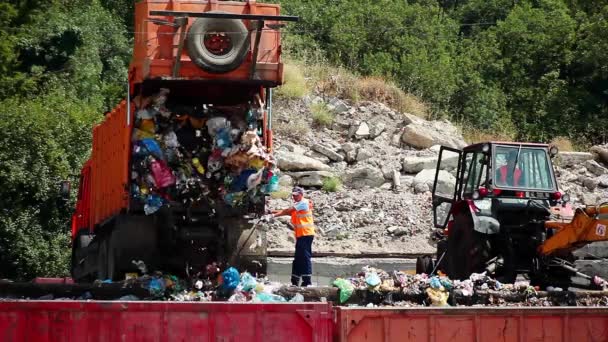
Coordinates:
<point>286,180</point>
<point>415,164</point>
<point>328,152</point>
<point>595,168</point>
<point>424,134</point>
<point>603,181</point>
<point>424,180</point>
<point>350,152</point>
<point>311,178</point>
<point>292,148</point>
<point>591,183</point>
<point>569,159</point>
<point>359,131</point>
<point>337,105</point>
<point>601,153</point>
<point>376,129</point>
<point>363,176</point>
<point>590,198</point>
<point>290,161</point>
<point>364,154</point>
<point>397,230</point>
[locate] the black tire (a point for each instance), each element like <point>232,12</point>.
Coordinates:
<point>209,60</point>
<point>424,265</point>
<point>467,250</point>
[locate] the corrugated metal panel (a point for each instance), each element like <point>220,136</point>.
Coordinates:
<point>110,165</point>
<point>163,321</point>
<point>473,324</point>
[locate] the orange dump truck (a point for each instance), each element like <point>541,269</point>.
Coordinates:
<point>178,164</point>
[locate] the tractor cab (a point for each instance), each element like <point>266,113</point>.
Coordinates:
<point>491,201</point>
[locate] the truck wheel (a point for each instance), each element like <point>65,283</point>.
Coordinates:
<point>218,45</point>
<point>79,249</point>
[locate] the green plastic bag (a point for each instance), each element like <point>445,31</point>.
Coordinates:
<point>346,289</point>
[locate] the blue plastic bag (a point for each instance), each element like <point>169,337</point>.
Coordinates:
<point>149,146</point>
<point>435,283</point>
<point>231,279</point>
<point>248,282</point>
<point>372,279</point>
<point>223,138</point>
<point>269,298</point>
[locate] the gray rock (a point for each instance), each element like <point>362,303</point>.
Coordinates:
<point>363,176</point>
<point>591,183</point>
<point>290,161</point>
<point>318,156</point>
<point>414,164</point>
<point>601,153</point>
<point>311,178</point>
<point>597,249</point>
<point>604,181</point>
<point>424,180</point>
<point>397,230</point>
<point>292,148</point>
<point>328,152</point>
<point>363,154</point>
<point>593,267</point>
<point>425,134</point>
<point>595,168</point>
<point>337,105</point>
<point>360,131</point>
<point>569,159</point>
<point>376,129</point>
<point>406,181</point>
<point>386,186</point>
<point>286,180</point>
<point>590,198</point>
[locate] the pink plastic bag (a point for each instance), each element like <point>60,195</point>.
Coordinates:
<point>163,177</point>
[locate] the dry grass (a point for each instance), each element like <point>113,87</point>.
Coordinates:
<point>295,128</point>
<point>321,115</point>
<point>280,194</point>
<point>294,83</point>
<point>563,144</point>
<point>379,90</point>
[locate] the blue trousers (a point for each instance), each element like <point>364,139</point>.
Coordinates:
<point>301,268</point>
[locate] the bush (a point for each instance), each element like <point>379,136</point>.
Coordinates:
<point>379,90</point>
<point>294,84</point>
<point>321,115</point>
<point>332,184</point>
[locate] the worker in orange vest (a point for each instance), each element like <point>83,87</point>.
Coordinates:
<point>509,174</point>
<point>304,229</point>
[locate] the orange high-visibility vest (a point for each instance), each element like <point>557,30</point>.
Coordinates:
<point>302,221</point>
<point>503,175</point>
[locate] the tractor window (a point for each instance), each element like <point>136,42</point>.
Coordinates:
<point>523,168</point>
<point>475,171</point>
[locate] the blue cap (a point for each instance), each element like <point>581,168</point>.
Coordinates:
<point>297,190</point>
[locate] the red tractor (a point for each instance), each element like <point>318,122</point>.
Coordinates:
<point>495,210</point>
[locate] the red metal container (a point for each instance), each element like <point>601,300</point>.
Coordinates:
<point>472,324</point>
<point>64,321</point>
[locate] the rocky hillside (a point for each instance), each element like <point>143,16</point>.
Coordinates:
<point>386,162</point>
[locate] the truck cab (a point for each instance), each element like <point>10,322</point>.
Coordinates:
<point>180,164</point>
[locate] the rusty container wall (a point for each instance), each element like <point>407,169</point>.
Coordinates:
<point>43,321</point>
<point>110,165</point>
<point>472,324</point>
<point>155,46</point>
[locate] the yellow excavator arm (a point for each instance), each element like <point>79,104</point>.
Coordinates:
<point>588,225</point>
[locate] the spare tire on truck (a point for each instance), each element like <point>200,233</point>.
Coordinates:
<point>218,45</point>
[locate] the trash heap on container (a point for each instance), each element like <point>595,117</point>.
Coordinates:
<point>198,155</point>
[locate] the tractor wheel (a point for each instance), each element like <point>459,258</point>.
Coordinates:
<point>218,45</point>
<point>424,265</point>
<point>467,251</point>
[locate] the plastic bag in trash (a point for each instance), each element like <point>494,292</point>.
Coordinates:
<point>238,297</point>
<point>298,298</point>
<point>230,279</point>
<point>248,282</point>
<point>437,297</point>
<point>268,298</point>
<point>163,177</point>
<point>345,287</point>
<point>149,147</point>
<point>216,123</point>
<point>153,203</point>
<point>372,279</point>
<point>435,283</point>
<point>223,139</point>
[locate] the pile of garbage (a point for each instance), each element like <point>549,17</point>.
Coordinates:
<point>229,285</point>
<point>198,155</point>
<point>403,289</point>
